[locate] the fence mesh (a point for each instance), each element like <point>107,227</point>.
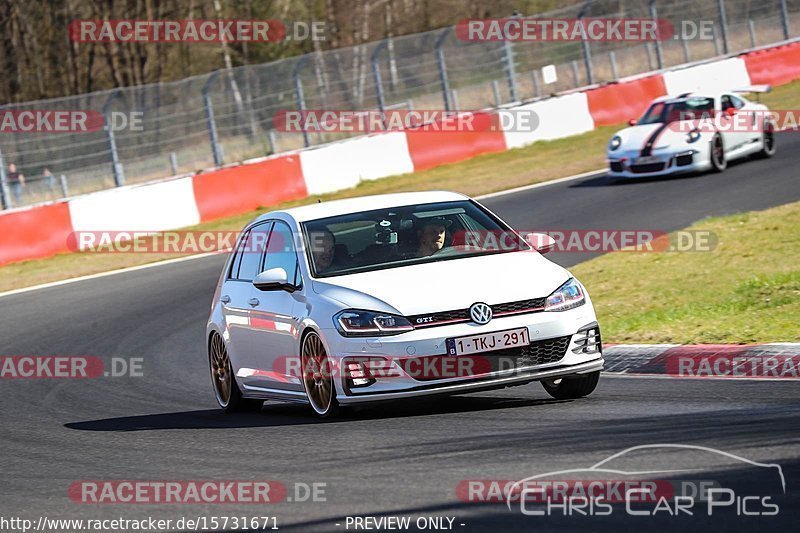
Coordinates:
<point>175,138</point>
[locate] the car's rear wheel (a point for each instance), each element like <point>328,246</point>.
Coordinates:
<point>717,155</point>
<point>571,387</point>
<point>768,143</point>
<point>318,377</point>
<point>226,391</point>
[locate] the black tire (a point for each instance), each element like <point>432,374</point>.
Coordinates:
<point>717,154</point>
<point>769,147</point>
<point>226,390</point>
<point>572,387</point>
<point>317,378</point>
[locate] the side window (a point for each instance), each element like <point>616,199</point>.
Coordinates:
<point>281,250</point>
<point>738,103</point>
<point>237,259</point>
<point>253,251</point>
<point>726,102</point>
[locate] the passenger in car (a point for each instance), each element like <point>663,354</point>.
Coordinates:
<point>327,254</point>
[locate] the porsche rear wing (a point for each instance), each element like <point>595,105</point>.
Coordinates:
<point>754,89</point>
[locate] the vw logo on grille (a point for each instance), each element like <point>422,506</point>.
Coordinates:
<point>480,313</point>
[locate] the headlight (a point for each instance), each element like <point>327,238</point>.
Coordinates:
<point>357,323</point>
<point>616,142</point>
<point>693,136</point>
<point>568,296</point>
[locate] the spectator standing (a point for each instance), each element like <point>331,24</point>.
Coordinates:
<point>17,181</point>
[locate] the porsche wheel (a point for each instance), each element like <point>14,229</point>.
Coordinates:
<point>717,155</point>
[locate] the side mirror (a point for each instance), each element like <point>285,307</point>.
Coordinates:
<point>274,279</point>
<point>632,122</point>
<point>542,242</point>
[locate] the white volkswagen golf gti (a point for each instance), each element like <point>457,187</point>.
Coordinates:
<point>395,297</point>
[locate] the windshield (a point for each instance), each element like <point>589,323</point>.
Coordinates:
<point>690,108</point>
<point>407,235</point>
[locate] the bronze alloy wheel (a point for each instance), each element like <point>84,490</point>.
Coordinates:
<point>318,376</point>
<point>220,370</point>
<point>226,391</point>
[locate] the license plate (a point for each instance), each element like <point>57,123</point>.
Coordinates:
<point>488,342</point>
<point>647,160</point>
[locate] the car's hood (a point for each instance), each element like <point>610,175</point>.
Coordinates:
<point>634,138</point>
<point>448,285</point>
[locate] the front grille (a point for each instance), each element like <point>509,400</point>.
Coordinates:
<point>650,167</point>
<point>616,166</point>
<point>430,368</point>
<point>462,315</point>
<point>520,306</point>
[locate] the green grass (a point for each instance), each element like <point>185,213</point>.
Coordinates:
<point>539,162</point>
<point>746,290</point>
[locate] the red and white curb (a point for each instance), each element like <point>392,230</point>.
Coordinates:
<point>773,361</point>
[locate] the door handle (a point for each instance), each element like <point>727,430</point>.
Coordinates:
<point>253,301</point>
<point>225,299</point>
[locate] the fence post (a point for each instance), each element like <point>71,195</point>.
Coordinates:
<point>299,94</point>
<point>752,27</point>
<point>785,19</point>
<point>587,52</point>
<point>612,58</point>
<point>456,105</point>
<point>537,86</point>
<point>686,53</point>
<point>4,192</point>
<point>273,141</point>
<point>723,22</point>
<point>716,41</point>
<point>443,69</point>
<point>173,163</point>
<point>649,56</point>
<point>216,149</point>
<point>575,74</point>
<point>116,164</point>
<point>659,52</point>
<point>511,71</point>
<point>64,187</point>
<point>376,73</point>
<point>496,93</point>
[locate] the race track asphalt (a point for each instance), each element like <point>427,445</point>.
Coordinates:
<point>391,459</point>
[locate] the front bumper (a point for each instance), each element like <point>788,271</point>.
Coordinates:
<point>624,165</point>
<point>566,330</point>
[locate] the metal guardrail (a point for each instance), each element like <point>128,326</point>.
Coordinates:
<point>227,115</point>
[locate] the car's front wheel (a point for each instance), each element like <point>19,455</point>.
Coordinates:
<point>226,391</point>
<point>318,377</point>
<point>572,387</point>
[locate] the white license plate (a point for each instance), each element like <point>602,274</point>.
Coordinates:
<point>647,160</point>
<point>488,342</point>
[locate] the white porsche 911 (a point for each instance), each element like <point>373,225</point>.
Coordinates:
<point>393,297</point>
<point>692,132</point>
